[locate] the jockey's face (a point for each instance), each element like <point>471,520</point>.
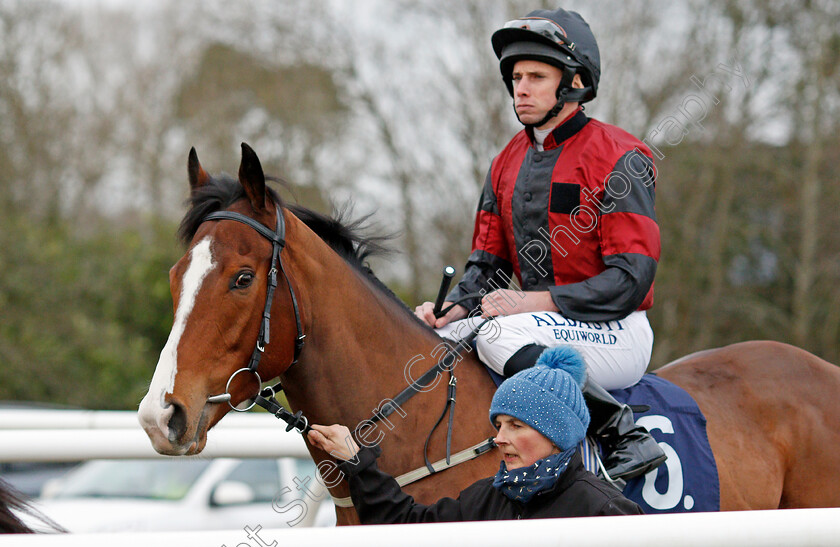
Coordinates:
<point>534,89</point>
<point>535,92</point>
<point>520,444</point>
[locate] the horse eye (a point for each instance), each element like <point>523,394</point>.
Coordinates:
<point>243,280</point>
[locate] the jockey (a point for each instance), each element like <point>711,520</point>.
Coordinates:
<point>568,208</point>
<point>541,420</point>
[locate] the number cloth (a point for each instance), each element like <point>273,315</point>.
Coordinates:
<point>688,480</point>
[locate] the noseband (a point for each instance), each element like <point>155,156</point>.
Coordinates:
<point>278,241</point>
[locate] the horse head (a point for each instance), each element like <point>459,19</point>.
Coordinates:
<point>219,291</point>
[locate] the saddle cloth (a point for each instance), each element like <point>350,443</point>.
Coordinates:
<point>688,480</point>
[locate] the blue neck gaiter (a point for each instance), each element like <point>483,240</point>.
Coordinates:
<point>524,483</point>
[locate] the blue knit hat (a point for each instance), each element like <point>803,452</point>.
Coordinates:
<point>547,397</point>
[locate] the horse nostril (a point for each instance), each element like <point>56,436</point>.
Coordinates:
<point>177,423</point>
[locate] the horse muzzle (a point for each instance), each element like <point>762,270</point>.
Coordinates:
<point>168,426</point>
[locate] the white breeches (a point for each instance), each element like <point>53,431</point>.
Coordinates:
<point>617,353</point>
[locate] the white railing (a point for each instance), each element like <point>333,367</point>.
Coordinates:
<point>112,419</point>
<point>788,528</point>
<point>49,435</point>
<point>62,435</point>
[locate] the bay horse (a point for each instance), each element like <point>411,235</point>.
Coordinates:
<point>772,409</point>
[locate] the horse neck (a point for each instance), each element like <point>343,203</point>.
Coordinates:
<point>358,339</point>
<point>362,349</point>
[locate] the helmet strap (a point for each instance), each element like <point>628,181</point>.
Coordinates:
<point>562,94</point>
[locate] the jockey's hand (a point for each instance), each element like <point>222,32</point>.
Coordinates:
<point>510,302</point>
<point>334,440</point>
<point>425,312</point>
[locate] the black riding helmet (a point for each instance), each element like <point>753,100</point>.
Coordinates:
<point>560,38</point>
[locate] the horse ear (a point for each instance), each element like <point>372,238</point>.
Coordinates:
<point>198,176</point>
<point>251,178</point>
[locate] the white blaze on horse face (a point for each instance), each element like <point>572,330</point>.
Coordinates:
<point>201,263</point>
<point>163,381</point>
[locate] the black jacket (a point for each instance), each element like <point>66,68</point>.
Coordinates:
<point>578,493</point>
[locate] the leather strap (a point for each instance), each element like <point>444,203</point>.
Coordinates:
<point>445,364</point>
<point>422,472</point>
<point>295,421</point>
<point>449,406</point>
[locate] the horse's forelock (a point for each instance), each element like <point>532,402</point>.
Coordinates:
<point>219,193</point>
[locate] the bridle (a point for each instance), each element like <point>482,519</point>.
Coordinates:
<point>278,241</point>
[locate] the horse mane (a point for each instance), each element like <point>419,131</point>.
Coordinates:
<point>344,236</point>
